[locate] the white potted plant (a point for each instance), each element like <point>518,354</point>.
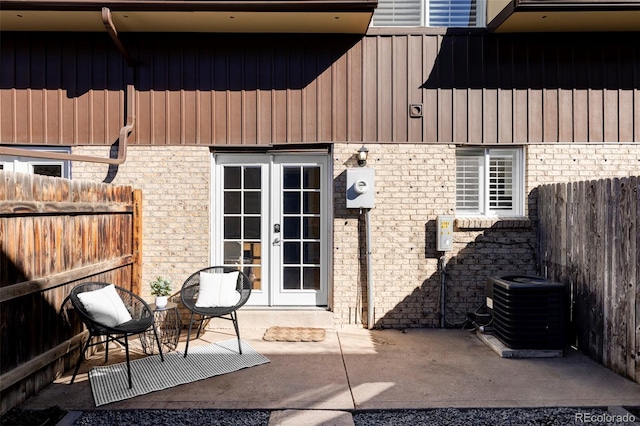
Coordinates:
<point>161,288</point>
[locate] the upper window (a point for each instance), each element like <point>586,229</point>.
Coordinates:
<point>429,13</point>
<point>489,182</point>
<point>37,166</point>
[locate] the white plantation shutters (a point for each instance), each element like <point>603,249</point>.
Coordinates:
<point>501,182</point>
<point>489,182</point>
<point>469,169</point>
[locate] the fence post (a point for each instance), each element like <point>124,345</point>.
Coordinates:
<point>136,270</point>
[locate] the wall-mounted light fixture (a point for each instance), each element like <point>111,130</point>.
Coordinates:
<point>362,156</point>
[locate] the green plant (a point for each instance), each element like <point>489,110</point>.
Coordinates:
<point>161,287</point>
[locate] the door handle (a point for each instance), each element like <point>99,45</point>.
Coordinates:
<point>277,241</point>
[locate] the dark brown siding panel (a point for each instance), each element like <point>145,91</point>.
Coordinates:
<point>415,66</point>
<point>354,94</point>
<point>338,111</point>
<point>565,94</point>
<point>385,101</point>
<point>611,66</point>
<point>7,91</point>
<point>370,95</point>
<point>272,89</point>
<point>596,95</point>
<point>401,72</point>
<point>430,47</point>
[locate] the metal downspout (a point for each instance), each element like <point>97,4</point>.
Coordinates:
<point>122,143</point>
<point>370,301</point>
<point>113,33</point>
<point>124,131</point>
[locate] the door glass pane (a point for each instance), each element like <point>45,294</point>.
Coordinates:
<point>291,177</point>
<point>252,178</point>
<point>252,255</point>
<point>252,202</point>
<point>291,253</point>
<point>311,227</point>
<point>242,220</point>
<point>291,227</point>
<point>311,278</point>
<point>311,203</point>
<point>291,202</point>
<point>311,252</point>
<point>291,278</point>
<point>232,227</point>
<point>232,253</point>
<point>311,177</point>
<point>232,202</point>
<point>252,227</point>
<point>232,177</point>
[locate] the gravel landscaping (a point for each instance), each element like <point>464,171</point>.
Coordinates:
<point>548,416</point>
<point>490,417</point>
<point>174,417</point>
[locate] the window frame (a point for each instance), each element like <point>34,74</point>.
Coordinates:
<point>484,156</point>
<point>20,164</point>
<point>424,15</point>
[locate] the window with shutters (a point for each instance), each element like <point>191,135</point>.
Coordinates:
<point>489,182</point>
<point>430,13</point>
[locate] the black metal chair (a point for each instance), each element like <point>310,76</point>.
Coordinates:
<point>191,291</point>
<point>141,320</point>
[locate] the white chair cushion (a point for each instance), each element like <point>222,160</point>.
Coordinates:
<point>105,306</point>
<point>217,290</point>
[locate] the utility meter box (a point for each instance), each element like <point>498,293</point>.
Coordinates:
<point>444,239</point>
<point>360,188</point>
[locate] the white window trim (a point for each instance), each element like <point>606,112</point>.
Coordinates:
<point>26,164</point>
<point>518,184</point>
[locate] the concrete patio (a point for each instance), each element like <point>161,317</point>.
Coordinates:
<point>357,369</point>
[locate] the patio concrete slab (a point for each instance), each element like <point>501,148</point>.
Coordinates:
<point>355,369</point>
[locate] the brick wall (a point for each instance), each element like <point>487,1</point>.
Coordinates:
<point>415,184</point>
<point>175,184</point>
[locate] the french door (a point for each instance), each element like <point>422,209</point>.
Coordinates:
<point>270,219</point>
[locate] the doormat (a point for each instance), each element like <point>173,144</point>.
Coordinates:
<point>294,334</point>
<point>109,383</point>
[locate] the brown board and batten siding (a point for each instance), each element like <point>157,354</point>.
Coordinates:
<point>208,89</point>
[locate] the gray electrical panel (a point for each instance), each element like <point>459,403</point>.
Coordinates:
<point>360,188</point>
<point>444,229</point>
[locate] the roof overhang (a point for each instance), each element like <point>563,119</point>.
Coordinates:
<point>562,16</point>
<point>283,16</point>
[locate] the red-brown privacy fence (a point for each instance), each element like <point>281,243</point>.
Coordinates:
<point>590,241</point>
<point>55,233</point>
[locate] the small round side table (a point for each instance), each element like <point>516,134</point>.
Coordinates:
<point>168,325</point>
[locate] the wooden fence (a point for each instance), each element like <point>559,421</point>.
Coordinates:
<point>55,233</point>
<point>590,241</point>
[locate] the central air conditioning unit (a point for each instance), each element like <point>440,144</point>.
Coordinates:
<point>528,311</point>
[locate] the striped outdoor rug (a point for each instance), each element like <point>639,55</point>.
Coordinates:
<point>109,383</point>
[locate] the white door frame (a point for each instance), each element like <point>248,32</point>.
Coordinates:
<point>270,262</point>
